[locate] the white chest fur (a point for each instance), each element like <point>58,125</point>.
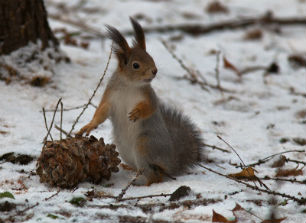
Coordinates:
<point>123,101</point>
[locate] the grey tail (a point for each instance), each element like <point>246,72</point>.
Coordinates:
<point>185,136</point>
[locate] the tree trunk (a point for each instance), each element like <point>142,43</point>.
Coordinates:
<point>21,22</point>
<point>28,48</point>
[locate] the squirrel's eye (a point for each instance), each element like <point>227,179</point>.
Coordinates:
<point>136,65</point>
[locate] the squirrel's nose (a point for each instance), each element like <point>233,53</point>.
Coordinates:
<point>154,71</point>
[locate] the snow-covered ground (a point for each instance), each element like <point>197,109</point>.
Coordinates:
<point>255,118</point>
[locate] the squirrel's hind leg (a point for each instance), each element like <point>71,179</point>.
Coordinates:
<point>151,172</point>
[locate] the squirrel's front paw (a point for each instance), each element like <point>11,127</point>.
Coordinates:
<point>134,115</point>
<point>87,128</point>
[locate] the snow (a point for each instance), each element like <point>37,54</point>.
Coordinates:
<point>243,122</point>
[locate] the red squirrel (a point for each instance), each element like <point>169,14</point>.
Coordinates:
<point>151,137</point>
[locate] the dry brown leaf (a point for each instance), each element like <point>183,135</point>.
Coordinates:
<point>273,220</point>
<point>220,218</point>
<point>230,66</point>
<point>289,172</point>
<point>216,7</point>
<point>254,34</point>
<point>237,208</point>
<point>241,215</point>
<point>279,162</point>
<point>246,173</point>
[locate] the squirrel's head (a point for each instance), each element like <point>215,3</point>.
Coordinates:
<point>134,62</point>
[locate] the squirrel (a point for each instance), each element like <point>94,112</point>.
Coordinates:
<point>155,139</point>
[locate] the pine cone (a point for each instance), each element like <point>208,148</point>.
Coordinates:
<point>67,162</point>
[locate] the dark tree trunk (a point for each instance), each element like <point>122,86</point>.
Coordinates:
<point>21,22</point>
<point>28,49</point>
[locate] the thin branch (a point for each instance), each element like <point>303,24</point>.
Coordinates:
<point>192,75</point>
<point>219,137</point>
<point>123,191</point>
<point>53,195</point>
<point>61,124</point>
<point>52,121</point>
<point>283,179</point>
<point>62,131</point>
<point>26,209</point>
<point>218,71</point>
<point>217,148</point>
<point>45,119</point>
<point>194,29</point>
<point>72,108</point>
<point>301,201</point>
<point>146,196</point>
<point>295,161</point>
<point>94,93</point>
<point>264,160</point>
<point>244,166</point>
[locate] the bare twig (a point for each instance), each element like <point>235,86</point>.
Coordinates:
<point>244,166</point>
<point>192,75</point>
<point>219,137</point>
<point>52,121</point>
<point>72,108</point>
<point>218,72</point>
<point>216,147</point>
<point>53,195</point>
<point>195,29</point>
<point>147,207</point>
<point>123,191</point>
<point>295,161</point>
<point>301,201</point>
<point>146,196</point>
<point>94,93</point>
<point>62,131</point>
<point>283,179</point>
<point>181,63</point>
<point>46,124</point>
<point>61,124</point>
<point>26,209</point>
<point>261,161</point>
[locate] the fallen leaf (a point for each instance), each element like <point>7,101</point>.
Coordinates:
<point>273,220</point>
<point>246,173</point>
<point>279,162</point>
<point>216,7</point>
<point>297,60</point>
<point>254,34</point>
<point>300,141</point>
<point>220,218</point>
<point>241,215</point>
<point>230,66</point>
<point>289,172</point>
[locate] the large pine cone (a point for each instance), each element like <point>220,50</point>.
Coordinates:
<point>67,162</point>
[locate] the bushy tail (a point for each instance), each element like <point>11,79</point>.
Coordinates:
<point>185,137</point>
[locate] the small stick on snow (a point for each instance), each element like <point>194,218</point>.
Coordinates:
<point>244,166</point>
<point>301,201</point>
<point>62,130</point>
<point>52,121</point>
<point>218,72</point>
<point>217,148</point>
<point>53,195</point>
<point>61,124</point>
<point>94,93</point>
<point>72,108</point>
<point>261,161</point>
<point>120,196</point>
<point>45,119</point>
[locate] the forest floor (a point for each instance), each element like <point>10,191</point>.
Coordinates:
<point>244,86</point>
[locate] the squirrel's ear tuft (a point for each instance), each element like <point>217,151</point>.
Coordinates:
<point>122,49</point>
<point>139,34</point>
<point>118,39</point>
